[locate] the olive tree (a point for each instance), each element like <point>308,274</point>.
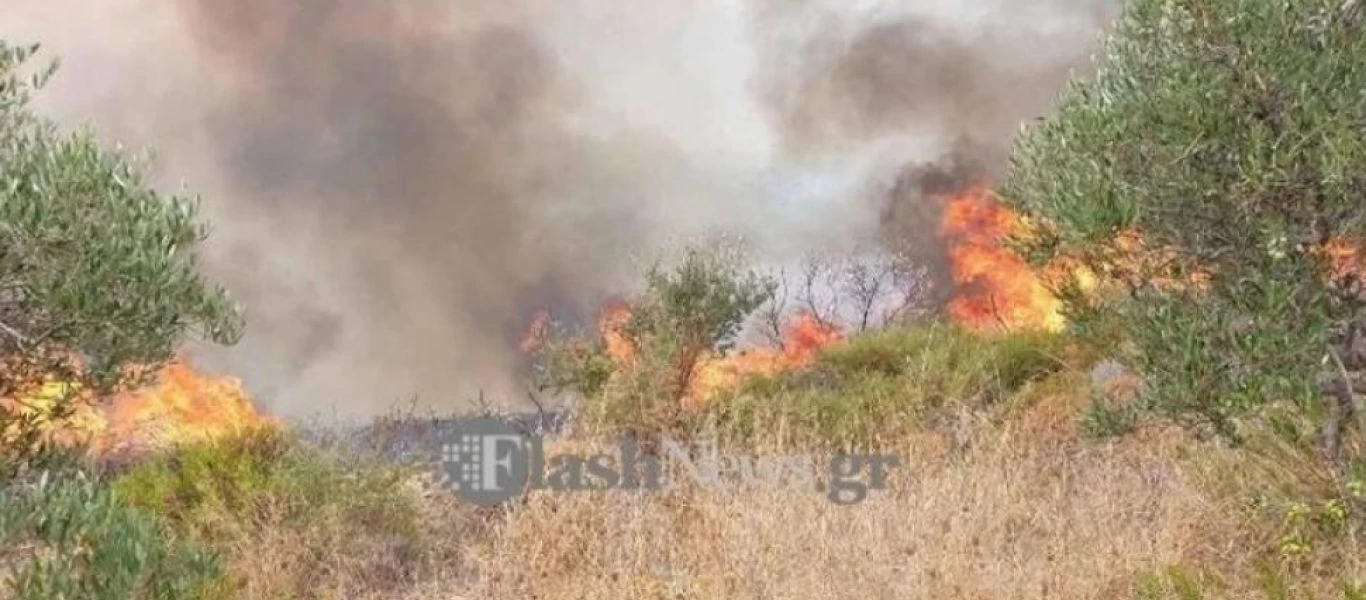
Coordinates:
<point>1230,136</point>
<point>97,269</point>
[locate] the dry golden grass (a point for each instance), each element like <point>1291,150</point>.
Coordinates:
<point>1013,517</point>
<point>1000,502</point>
<point>335,555</point>
<point>1008,502</point>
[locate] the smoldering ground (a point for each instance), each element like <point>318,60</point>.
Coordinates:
<point>395,187</point>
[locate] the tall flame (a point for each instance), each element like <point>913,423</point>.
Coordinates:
<point>612,327</point>
<point>997,288</point>
<point>180,406</point>
<point>183,406</point>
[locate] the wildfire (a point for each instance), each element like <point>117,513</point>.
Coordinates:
<point>180,406</point>
<point>998,290</point>
<point>540,324</point>
<point>612,326</point>
<point>1347,258</point>
<point>183,406</point>
<point>803,338</point>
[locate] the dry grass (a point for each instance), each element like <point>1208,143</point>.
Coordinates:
<point>292,521</point>
<point>993,500</point>
<point>1012,518</point>
<point>336,559</point>
<point>1004,502</point>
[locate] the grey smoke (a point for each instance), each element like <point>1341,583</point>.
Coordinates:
<point>397,186</point>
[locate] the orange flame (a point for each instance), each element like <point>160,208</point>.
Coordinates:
<point>535,334</point>
<point>181,406</point>
<point>998,290</point>
<point>612,328</point>
<point>1347,258</point>
<point>803,338</point>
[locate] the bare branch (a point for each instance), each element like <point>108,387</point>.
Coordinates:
<point>913,286</point>
<point>815,273</point>
<point>865,285</point>
<point>774,311</point>
<point>1342,412</point>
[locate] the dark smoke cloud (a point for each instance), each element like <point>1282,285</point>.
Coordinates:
<point>837,73</point>
<point>421,155</point>
<point>396,187</point>
<point>944,84</point>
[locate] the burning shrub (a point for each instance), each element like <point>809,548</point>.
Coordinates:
<point>1228,133</point>
<point>663,359</point>
<point>866,290</point>
<point>651,352</point>
<point>97,270</point>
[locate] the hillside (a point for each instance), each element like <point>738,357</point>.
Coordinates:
<point>1136,371</point>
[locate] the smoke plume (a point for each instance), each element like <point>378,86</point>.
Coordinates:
<point>396,187</point>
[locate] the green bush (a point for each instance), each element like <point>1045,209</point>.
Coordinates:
<point>870,389</point>
<point>1268,582</point>
<point>216,491</point>
<point>69,536</point>
<point>1229,133</point>
<point>292,520</point>
<point>879,386</point>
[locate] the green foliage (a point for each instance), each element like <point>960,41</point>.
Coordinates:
<point>1305,524</point>
<point>91,257</point>
<point>1264,581</point>
<point>1230,125</point>
<point>1212,359</point>
<point>97,269</point>
<point>223,475</point>
<point>218,491</point>
<point>1229,133</point>
<point>327,523</point>
<point>68,536</point>
<point>1176,583</point>
<point>573,360</point>
<point>1104,420</point>
<point>698,306</point>
<point>868,390</point>
<point>685,314</point>
<point>879,386</point>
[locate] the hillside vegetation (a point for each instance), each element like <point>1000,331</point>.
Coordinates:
<point>1196,432</point>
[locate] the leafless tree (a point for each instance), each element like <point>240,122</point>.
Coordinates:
<point>818,274</point>
<point>860,291</point>
<point>771,316</point>
<point>883,289</point>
